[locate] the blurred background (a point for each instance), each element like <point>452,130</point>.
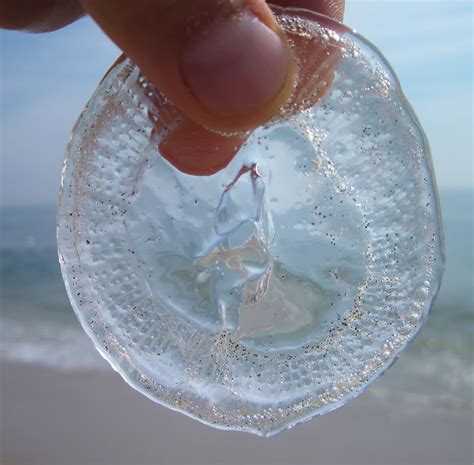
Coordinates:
<point>62,404</point>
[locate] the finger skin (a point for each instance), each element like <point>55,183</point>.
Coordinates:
<point>39,15</point>
<point>197,151</point>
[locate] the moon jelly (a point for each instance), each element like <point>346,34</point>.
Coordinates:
<point>261,293</point>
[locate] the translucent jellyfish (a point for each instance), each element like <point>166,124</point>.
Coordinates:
<point>278,287</point>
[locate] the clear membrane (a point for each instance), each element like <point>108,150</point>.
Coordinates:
<point>279,287</point>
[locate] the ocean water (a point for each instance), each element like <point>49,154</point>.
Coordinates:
<point>37,324</point>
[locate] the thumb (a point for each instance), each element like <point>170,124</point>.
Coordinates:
<point>224,63</point>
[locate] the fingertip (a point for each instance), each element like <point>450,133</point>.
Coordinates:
<point>237,67</point>
<point>194,150</point>
<point>40,15</point>
<point>239,71</point>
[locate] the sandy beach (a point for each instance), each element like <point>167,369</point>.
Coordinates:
<point>55,417</point>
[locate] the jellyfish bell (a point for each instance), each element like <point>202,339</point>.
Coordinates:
<point>271,286</point>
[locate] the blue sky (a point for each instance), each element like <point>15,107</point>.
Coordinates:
<point>46,80</point>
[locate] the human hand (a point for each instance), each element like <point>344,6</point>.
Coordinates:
<point>224,64</point>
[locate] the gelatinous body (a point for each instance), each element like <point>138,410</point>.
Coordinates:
<point>278,287</point>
